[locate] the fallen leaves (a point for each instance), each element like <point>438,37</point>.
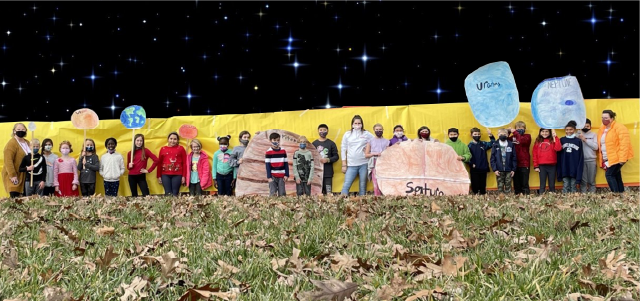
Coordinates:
<point>105,261</point>
<point>330,290</point>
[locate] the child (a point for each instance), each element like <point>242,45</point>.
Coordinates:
<point>223,173</point>
<point>424,134</point>
<point>375,146</point>
<point>173,165</point>
<point>329,154</point>
<point>570,159</point>
<point>479,167</point>
<point>65,177</point>
<point>461,149</point>
<point>590,147</point>
<point>112,167</point>
<point>544,157</point>
<point>88,164</point>
<point>199,177</point>
<point>399,136</point>
<point>503,161</point>
<point>277,166</point>
<point>522,143</point>
<point>237,153</point>
<point>51,161</point>
<point>36,166</point>
<point>303,168</point>
<point>138,168</point>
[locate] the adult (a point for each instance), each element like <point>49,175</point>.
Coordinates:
<point>373,150</point>
<point>14,151</point>
<point>47,148</point>
<point>614,149</point>
<point>424,133</point>
<point>173,165</point>
<point>590,146</point>
<point>353,154</point>
<point>329,154</point>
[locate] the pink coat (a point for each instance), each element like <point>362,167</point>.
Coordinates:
<point>204,170</point>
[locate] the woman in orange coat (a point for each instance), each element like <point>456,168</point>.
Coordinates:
<point>15,150</point>
<point>614,149</point>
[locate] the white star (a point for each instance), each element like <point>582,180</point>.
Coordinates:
<point>61,63</point>
<point>8,32</point>
<point>338,49</point>
<point>544,23</point>
<point>53,70</point>
<point>459,7</point>
<point>71,25</point>
<point>3,83</point>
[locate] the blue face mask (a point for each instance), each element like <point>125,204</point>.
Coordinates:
<point>89,148</point>
<point>570,136</point>
<point>275,144</point>
<point>521,131</point>
<point>303,145</point>
<point>35,150</point>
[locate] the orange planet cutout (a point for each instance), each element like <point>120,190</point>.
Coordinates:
<point>188,131</point>
<point>84,119</point>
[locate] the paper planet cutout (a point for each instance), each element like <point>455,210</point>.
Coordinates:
<point>32,126</point>
<point>556,101</point>
<point>491,89</point>
<point>188,131</point>
<point>84,119</point>
<point>133,117</point>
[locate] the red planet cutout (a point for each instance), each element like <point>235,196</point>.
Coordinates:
<point>188,131</point>
<point>85,119</point>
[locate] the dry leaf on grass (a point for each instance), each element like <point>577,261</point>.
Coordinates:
<point>334,290</point>
<point>206,292</point>
<point>226,269</point>
<point>56,294</point>
<point>452,265</point>
<point>170,261</point>
<point>133,291</point>
<point>42,239</point>
<point>394,289</point>
<point>105,260</point>
<point>105,231</point>
<point>582,297</point>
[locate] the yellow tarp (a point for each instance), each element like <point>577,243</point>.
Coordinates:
<point>438,117</point>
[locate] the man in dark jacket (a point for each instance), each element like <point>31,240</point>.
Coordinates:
<point>522,143</point>
<point>503,162</point>
<point>479,167</point>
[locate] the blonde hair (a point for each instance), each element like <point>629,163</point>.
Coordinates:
<point>502,131</point>
<point>15,126</point>
<point>520,124</point>
<point>378,124</point>
<point>302,138</point>
<point>34,141</point>
<point>67,143</point>
<point>197,142</point>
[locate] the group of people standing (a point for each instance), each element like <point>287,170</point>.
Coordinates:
<point>572,159</point>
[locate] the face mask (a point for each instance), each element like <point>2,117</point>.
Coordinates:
<point>453,139</point>
<point>35,150</point>
<point>398,134</point>
<point>322,134</point>
<point>89,148</point>
<point>223,148</point>
<point>358,127</point>
<point>48,148</point>
<point>303,145</point>
<point>521,131</point>
<point>379,133</point>
<point>275,144</point>
<point>503,137</point>
<point>111,150</point>
<point>425,135</point>
<point>570,136</point>
<point>605,122</point>
<point>476,138</point>
<point>21,134</point>
<point>585,130</point>
<point>64,151</point>
<point>244,141</point>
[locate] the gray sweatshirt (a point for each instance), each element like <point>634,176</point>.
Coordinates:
<point>590,146</point>
<point>236,154</point>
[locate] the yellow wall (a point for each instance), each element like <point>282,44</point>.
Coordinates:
<point>438,117</point>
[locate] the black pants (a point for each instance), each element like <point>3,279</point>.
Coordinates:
<point>138,180</point>
<point>14,194</point>
<point>88,189</point>
<point>614,179</point>
<point>522,180</point>
<point>327,185</point>
<point>195,189</point>
<point>547,172</point>
<point>303,189</point>
<point>171,183</point>
<point>49,190</point>
<point>479,182</point>
<point>224,183</point>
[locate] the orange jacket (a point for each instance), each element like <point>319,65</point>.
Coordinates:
<point>617,144</point>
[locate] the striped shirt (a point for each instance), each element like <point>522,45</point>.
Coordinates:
<point>276,163</point>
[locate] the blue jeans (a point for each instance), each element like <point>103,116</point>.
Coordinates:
<point>171,183</point>
<point>350,176</point>
<point>613,176</point>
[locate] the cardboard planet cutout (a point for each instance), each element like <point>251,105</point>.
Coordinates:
<point>188,131</point>
<point>84,119</point>
<point>32,126</point>
<point>133,117</point>
<point>555,101</point>
<point>491,89</point>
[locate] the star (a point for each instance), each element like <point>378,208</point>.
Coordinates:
<point>438,91</point>
<point>532,8</point>
<point>8,32</point>
<point>53,70</point>
<point>204,56</point>
<point>92,77</point>
<point>4,48</point>
<point>459,7</point>
<point>383,48</point>
<point>34,7</point>
<point>260,14</point>
<point>240,78</point>
<point>560,53</point>
<point>20,89</point>
<point>296,64</point>
<point>593,21</point>
<point>436,36</point>
<point>544,23</point>
<point>340,86</point>
<point>61,64</point>
<point>54,19</point>
<point>4,83</point>
<point>365,58</point>
<point>338,49</point>
<point>71,25</point>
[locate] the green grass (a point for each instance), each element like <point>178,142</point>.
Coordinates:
<point>388,235</point>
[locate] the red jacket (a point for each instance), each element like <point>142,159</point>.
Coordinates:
<point>172,161</point>
<point>522,145</point>
<point>204,170</point>
<point>544,153</point>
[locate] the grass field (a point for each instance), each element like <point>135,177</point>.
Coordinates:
<point>552,247</point>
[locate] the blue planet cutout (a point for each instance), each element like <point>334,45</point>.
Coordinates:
<point>133,117</point>
<point>492,94</point>
<point>556,101</point>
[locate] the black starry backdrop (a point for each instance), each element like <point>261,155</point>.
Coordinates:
<point>201,58</point>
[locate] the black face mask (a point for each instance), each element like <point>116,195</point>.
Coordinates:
<point>585,130</point>
<point>476,138</point>
<point>21,134</point>
<point>453,139</point>
<point>503,137</point>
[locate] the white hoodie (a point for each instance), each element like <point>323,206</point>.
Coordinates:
<point>112,166</point>
<point>353,147</point>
